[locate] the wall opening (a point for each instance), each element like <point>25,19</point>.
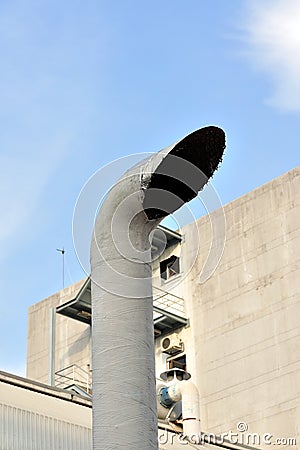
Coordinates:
<point>169,267</point>
<point>177,362</point>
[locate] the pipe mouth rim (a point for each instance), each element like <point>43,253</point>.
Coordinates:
<point>184,171</point>
<point>210,140</point>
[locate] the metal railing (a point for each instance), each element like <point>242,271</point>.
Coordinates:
<point>168,302</point>
<point>74,374</point>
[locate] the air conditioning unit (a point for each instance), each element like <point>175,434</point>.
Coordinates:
<point>172,344</point>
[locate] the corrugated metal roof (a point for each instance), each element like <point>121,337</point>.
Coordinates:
<point>21,429</point>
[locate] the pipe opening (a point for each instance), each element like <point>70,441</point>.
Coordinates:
<point>184,172</point>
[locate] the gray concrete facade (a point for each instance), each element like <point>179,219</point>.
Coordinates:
<point>244,335</point>
<point>72,340</point>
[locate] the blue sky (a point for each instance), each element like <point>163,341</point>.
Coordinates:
<point>85,83</point>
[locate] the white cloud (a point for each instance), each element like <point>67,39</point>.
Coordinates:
<point>273,39</point>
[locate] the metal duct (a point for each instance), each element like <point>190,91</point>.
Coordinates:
<point>186,391</point>
<point>124,394</point>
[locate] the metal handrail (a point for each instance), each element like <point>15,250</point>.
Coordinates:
<point>168,301</point>
<point>73,373</point>
<point>71,366</point>
<point>167,292</point>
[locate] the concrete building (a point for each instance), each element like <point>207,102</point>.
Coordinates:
<point>237,333</point>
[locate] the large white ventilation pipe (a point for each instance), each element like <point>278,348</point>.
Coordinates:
<point>124,395</point>
<point>187,392</point>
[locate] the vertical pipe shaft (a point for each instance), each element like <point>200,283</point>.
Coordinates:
<point>124,401</point>
<point>52,336</point>
<point>131,423</point>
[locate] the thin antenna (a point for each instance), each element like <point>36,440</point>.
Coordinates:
<point>62,251</point>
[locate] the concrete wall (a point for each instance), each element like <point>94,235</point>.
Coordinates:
<point>72,337</point>
<point>243,342</point>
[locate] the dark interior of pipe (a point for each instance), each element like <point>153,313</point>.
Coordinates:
<point>203,151</point>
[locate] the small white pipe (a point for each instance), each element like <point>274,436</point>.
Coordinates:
<point>52,333</point>
<point>187,391</point>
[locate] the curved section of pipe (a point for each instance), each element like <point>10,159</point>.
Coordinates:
<point>124,394</point>
<point>188,393</point>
